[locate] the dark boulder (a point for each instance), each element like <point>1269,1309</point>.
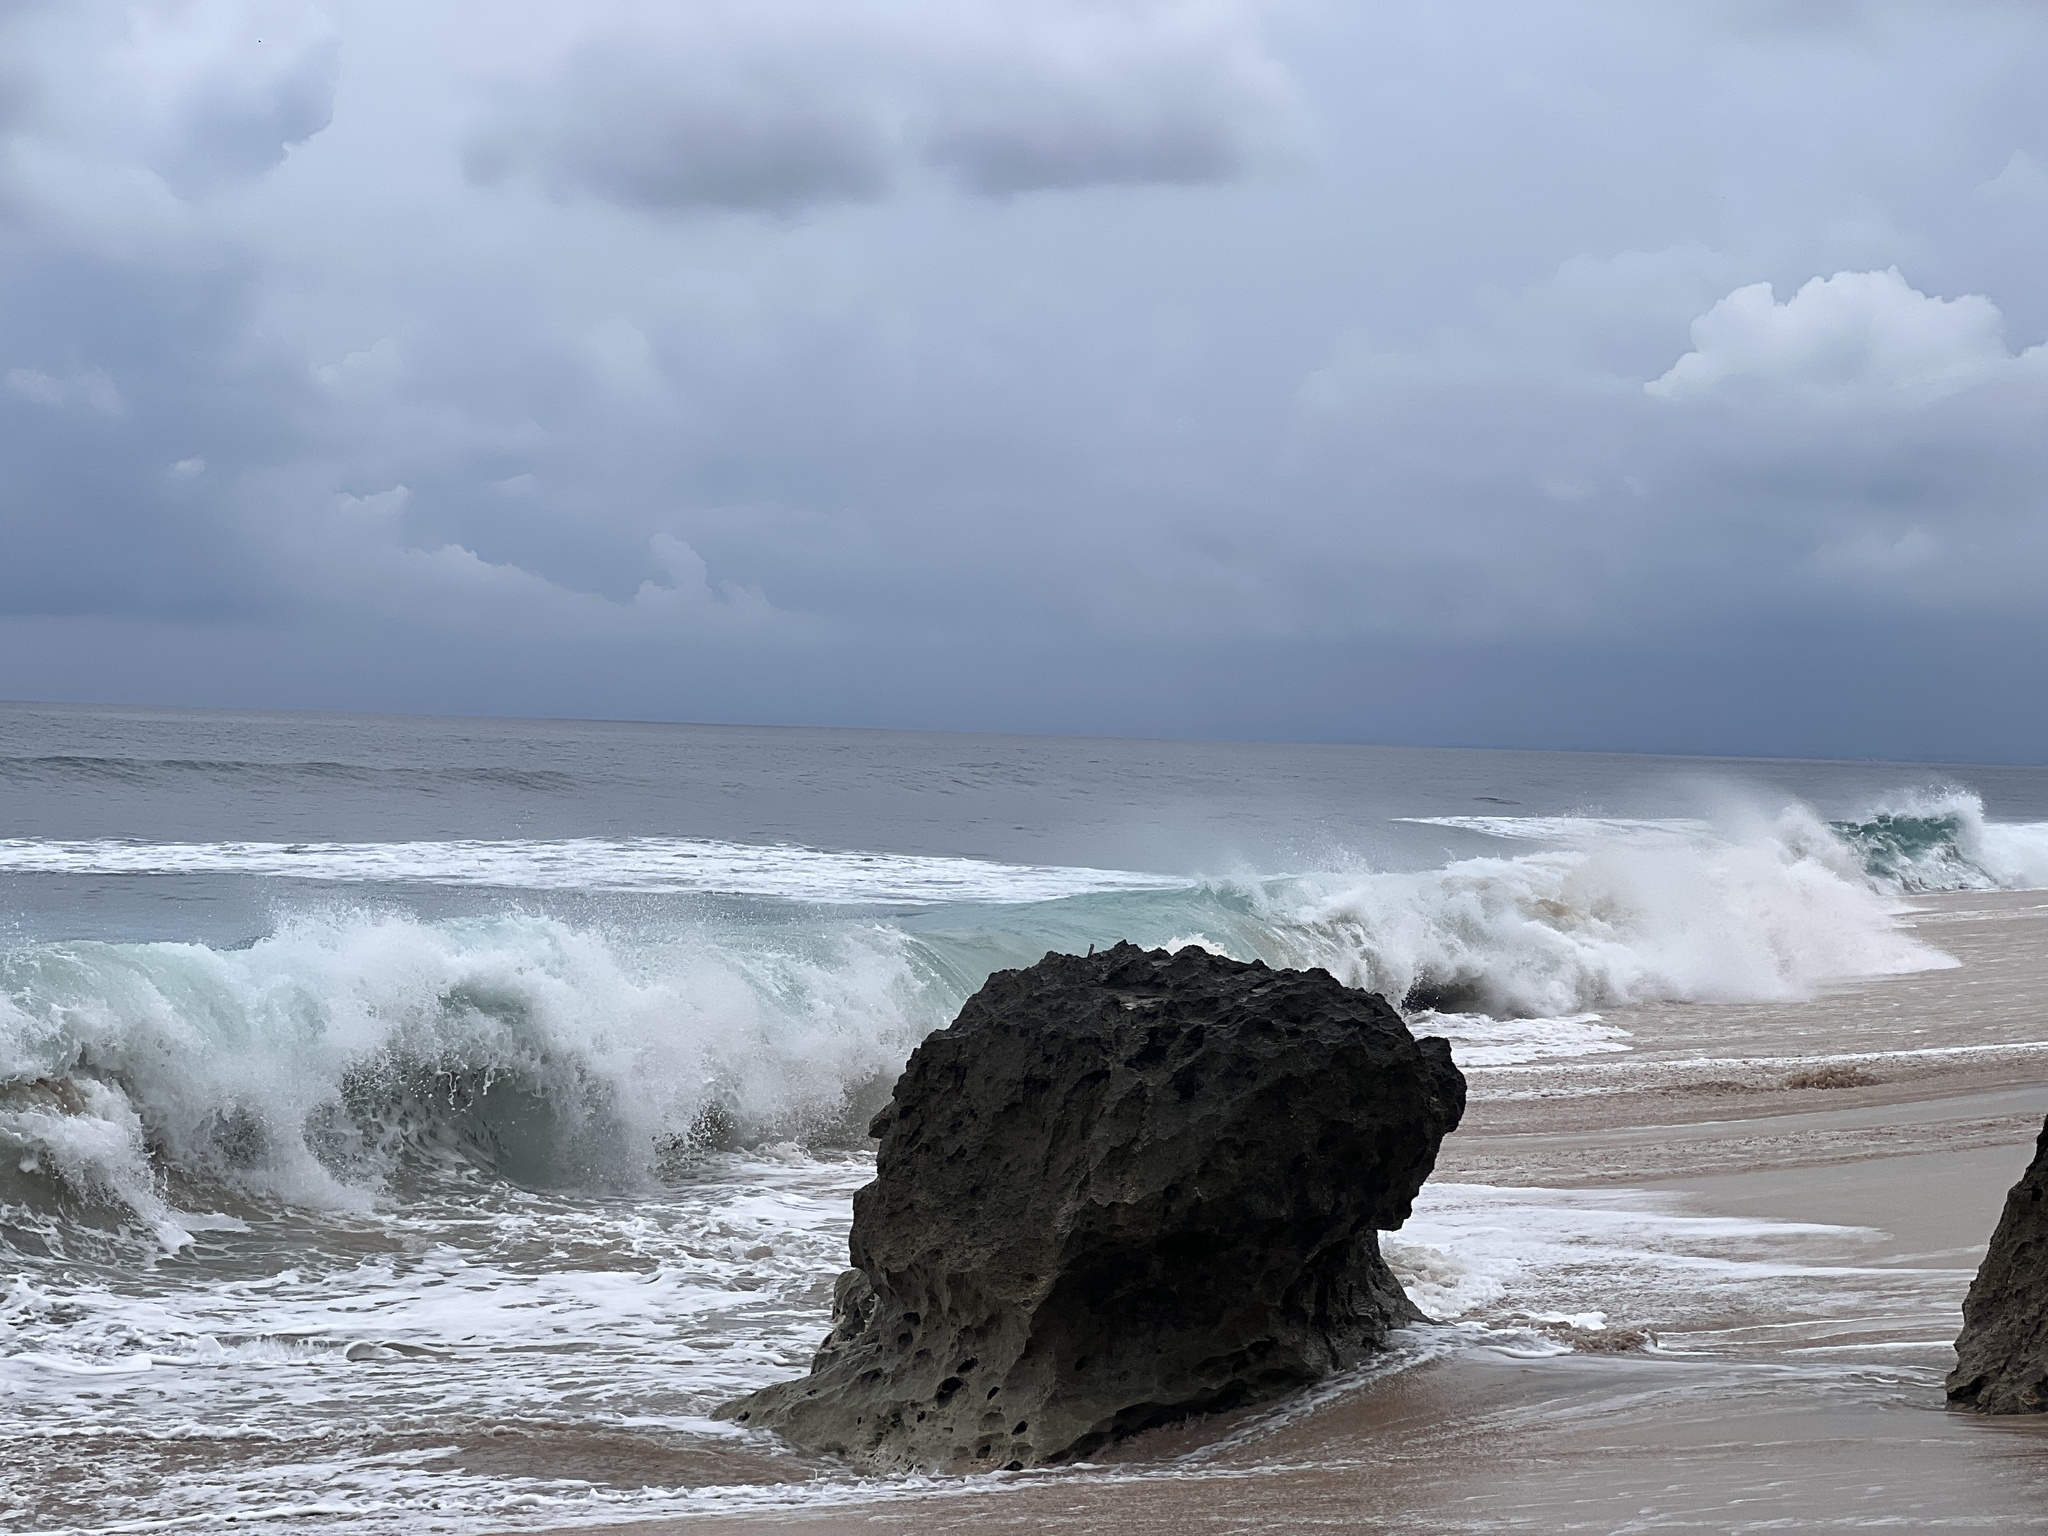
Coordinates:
<point>2002,1355</point>
<point>1117,1192</point>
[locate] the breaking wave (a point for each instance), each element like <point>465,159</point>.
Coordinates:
<point>1555,934</point>
<point>1939,840</point>
<point>343,1056</point>
<point>351,1053</point>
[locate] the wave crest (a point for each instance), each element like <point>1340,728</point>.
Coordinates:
<point>321,1062</point>
<point>1940,840</point>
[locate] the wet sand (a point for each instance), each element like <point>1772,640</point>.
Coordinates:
<point>1795,1384</point>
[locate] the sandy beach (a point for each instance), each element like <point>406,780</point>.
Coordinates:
<point>1803,1252</point>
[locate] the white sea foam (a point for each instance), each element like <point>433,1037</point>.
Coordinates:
<point>647,864</point>
<point>389,1337</point>
<point>360,1365</point>
<point>1598,1258</point>
<point>1480,1041</point>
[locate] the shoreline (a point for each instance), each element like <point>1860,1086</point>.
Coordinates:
<point>1821,1407</point>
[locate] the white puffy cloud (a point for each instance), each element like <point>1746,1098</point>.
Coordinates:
<point>778,105</point>
<point>1856,335</point>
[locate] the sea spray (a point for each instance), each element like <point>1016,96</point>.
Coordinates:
<point>1932,839</point>
<point>1656,912</point>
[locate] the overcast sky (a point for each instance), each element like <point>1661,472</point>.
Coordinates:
<point>1660,377</point>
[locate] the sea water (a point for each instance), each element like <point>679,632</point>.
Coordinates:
<point>425,1123</point>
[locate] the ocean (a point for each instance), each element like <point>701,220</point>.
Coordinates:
<point>422,1124</point>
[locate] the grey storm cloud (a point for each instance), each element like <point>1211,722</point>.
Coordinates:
<point>1439,371</point>
<point>638,130</point>
<point>783,106</point>
<point>1179,119</point>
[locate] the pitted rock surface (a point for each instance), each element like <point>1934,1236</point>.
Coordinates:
<point>1119,1191</point>
<point>2002,1355</point>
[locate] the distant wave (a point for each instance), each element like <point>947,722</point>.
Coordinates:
<point>649,864</point>
<point>1570,829</point>
<point>77,768</point>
